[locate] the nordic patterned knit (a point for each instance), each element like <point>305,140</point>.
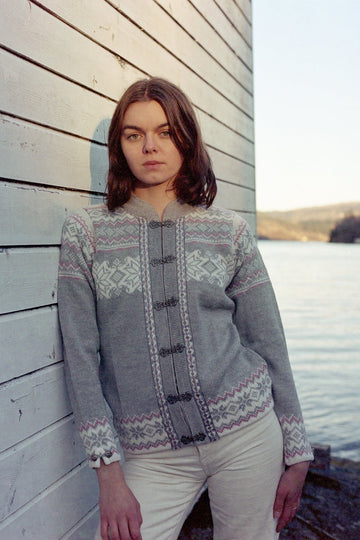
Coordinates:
<point>174,324</point>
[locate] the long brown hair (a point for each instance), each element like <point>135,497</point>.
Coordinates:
<point>195,183</point>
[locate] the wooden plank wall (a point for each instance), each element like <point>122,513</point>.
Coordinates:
<point>64,64</point>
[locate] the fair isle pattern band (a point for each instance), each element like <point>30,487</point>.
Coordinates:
<point>115,232</point>
<point>117,275</point>
<point>251,399</point>
<point>294,436</point>
<point>253,274</point>
<point>150,330</point>
<point>142,433</point>
<point>98,438</point>
<point>208,227</point>
<point>189,347</point>
<point>205,266</point>
<point>69,265</point>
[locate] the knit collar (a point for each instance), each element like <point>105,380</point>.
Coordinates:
<point>140,208</point>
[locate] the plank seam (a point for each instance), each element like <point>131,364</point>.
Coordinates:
<point>218,33</point>
<point>231,22</point>
<point>6,250</point>
<point>230,155</point>
<point>179,59</point>
<point>201,46</point>
<point>54,72</point>
<point>67,23</point>
<point>51,128</point>
<point>242,12</point>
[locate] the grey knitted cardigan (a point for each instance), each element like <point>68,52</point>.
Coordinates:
<point>175,325</point>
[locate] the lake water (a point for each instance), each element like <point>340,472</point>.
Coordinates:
<point>318,290</point>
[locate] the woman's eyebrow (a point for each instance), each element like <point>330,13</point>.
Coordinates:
<point>137,128</point>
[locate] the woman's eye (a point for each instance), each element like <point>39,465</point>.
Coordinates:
<point>133,137</point>
<point>165,133</point>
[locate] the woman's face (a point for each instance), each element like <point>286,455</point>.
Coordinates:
<point>148,148</point>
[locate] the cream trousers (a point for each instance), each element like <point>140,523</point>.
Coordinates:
<point>241,470</point>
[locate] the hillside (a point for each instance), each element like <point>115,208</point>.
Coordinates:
<point>304,224</point>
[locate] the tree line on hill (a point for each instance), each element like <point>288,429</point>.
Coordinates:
<point>346,230</point>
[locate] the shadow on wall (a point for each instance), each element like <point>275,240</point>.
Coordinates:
<point>99,162</point>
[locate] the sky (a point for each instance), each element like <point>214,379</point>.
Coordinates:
<point>307,102</point>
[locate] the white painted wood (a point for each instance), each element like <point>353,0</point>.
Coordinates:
<point>34,215</point>
<point>50,515</point>
<point>31,403</point>
<point>92,65</point>
<point>236,37</point>
<point>244,5</point>
<point>223,139</point>
<point>39,155</point>
<point>85,528</point>
<point>195,23</point>
<point>159,25</point>
<point>102,23</point>
<point>239,14</point>
<point>33,93</point>
<point>232,170</point>
<point>235,198</point>
<point>28,278</point>
<point>29,340</point>
<point>54,451</point>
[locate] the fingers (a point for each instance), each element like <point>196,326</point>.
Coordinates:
<point>286,515</point>
<point>124,530</point>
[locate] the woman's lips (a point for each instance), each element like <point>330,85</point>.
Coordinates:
<point>152,164</point>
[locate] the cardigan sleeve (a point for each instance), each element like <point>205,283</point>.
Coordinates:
<point>77,313</point>
<point>259,325</point>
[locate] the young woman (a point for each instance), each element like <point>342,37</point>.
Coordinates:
<point>168,315</point>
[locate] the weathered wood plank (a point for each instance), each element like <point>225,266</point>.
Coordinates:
<point>235,197</point>
<point>28,278</point>
<point>232,170</point>
<point>237,38</point>
<point>39,155</point>
<point>86,528</point>
<point>54,451</point>
<point>197,25</point>
<point>32,403</point>
<point>157,23</point>
<point>92,66</point>
<point>34,215</point>
<point>33,93</point>
<point>102,23</point>
<point>223,139</point>
<point>244,5</point>
<point>29,340</point>
<point>50,515</point>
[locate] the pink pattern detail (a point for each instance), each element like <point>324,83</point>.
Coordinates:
<point>141,418</point>
<point>244,420</point>
<point>227,395</point>
<point>87,231</point>
<point>93,425</point>
<point>240,232</point>
<point>139,447</point>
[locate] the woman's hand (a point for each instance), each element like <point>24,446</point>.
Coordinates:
<point>288,493</point>
<point>119,510</point>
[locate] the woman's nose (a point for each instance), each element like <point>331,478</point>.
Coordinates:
<point>149,145</point>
